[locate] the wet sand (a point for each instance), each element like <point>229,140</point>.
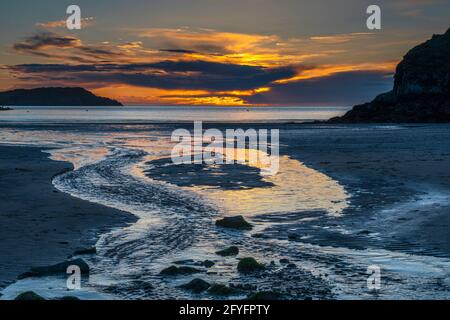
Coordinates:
<point>398,177</point>
<point>38,224</point>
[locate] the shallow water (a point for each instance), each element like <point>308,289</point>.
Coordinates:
<point>127,167</point>
<point>133,114</point>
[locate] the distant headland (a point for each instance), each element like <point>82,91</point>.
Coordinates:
<point>54,96</point>
<point>421,92</point>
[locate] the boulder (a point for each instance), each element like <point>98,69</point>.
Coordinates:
<point>60,268</point>
<point>174,271</point>
<point>237,222</point>
<point>29,296</point>
<point>249,265</point>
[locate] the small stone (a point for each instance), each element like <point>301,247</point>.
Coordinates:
<point>174,271</point>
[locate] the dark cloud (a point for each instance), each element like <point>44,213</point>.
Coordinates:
<point>347,88</point>
<point>189,75</point>
<point>178,51</point>
<point>40,43</point>
<point>45,39</point>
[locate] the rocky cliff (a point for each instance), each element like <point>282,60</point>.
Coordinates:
<point>421,90</point>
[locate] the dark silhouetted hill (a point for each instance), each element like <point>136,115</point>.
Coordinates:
<point>71,96</point>
<point>421,92</point>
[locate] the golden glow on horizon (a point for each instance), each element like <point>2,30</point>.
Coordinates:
<point>313,57</point>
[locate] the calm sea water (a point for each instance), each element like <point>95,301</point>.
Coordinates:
<point>169,114</point>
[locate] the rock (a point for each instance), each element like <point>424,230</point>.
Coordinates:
<point>249,265</point>
<point>174,271</point>
<point>29,296</point>
<point>196,285</point>
<point>91,250</point>
<point>265,295</point>
<point>421,92</point>
<point>237,222</point>
<point>69,298</point>
<point>187,261</point>
<point>221,290</point>
<point>208,263</point>
<point>230,251</point>
<point>60,268</point>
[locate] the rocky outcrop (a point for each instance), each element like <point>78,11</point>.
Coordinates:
<point>54,97</point>
<point>249,265</point>
<point>60,268</point>
<point>237,222</point>
<point>421,92</point>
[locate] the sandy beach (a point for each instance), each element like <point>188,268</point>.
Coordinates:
<point>390,181</point>
<point>39,225</point>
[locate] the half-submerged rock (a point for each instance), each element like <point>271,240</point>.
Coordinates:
<point>29,296</point>
<point>174,271</point>
<point>249,265</point>
<point>230,251</point>
<point>196,285</point>
<point>421,92</point>
<point>60,268</point>
<point>237,222</point>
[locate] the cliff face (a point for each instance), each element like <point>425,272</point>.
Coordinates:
<point>54,97</point>
<point>421,90</point>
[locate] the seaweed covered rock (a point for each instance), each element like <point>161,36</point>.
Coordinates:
<point>29,296</point>
<point>237,222</point>
<point>196,285</point>
<point>249,265</point>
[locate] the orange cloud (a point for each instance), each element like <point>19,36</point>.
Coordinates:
<point>85,22</point>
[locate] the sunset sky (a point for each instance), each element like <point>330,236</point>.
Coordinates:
<point>214,52</point>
